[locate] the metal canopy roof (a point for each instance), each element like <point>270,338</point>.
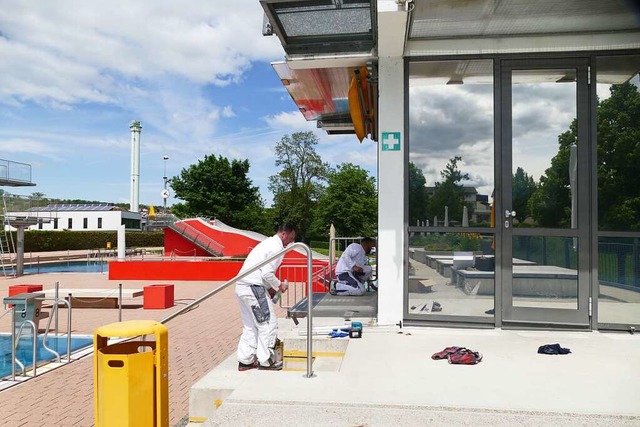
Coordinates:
<point>453,27</point>
<point>499,18</point>
<point>321,26</point>
<point>325,40</point>
<point>322,94</point>
<point>73,208</point>
<point>317,92</point>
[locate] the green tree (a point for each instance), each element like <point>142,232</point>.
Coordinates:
<point>350,203</point>
<point>619,159</point>
<point>523,188</point>
<point>299,184</point>
<point>180,210</point>
<point>418,197</point>
<point>38,196</point>
<point>449,192</point>
<point>217,187</point>
<point>550,204</point>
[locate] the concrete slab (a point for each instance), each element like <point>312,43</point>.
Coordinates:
<point>528,280</point>
<point>208,393</point>
<point>388,376</point>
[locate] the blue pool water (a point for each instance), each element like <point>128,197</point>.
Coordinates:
<point>66,267</point>
<point>25,346</point>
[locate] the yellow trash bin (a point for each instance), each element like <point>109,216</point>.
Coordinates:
<point>131,378</point>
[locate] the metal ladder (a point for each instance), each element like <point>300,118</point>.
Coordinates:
<point>15,337</point>
<point>7,245</point>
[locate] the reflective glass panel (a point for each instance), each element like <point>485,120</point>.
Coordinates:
<point>451,184</point>
<point>618,127</point>
<point>544,166</point>
<point>545,272</point>
<point>619,280</point>
<point>451,274</point>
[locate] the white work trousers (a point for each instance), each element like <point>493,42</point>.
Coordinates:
<point>258,338</point>
<point>346,288</point>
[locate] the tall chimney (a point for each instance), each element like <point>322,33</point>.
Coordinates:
<point>136,128</point>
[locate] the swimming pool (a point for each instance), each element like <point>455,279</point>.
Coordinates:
<point>65,267</point>
<point>25,353</point>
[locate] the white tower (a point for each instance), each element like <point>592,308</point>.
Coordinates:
<point>136,128</point>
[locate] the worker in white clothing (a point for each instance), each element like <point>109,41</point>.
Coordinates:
<point>256,348</point>
<point>352,269</point>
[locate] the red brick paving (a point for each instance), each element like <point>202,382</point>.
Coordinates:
<point>198,341</point>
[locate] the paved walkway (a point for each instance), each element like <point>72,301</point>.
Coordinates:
<point>388,378</point>
<point>198,341</point>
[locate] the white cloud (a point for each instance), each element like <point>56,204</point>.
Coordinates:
<point>338,149</point>
<point>72,51</point>
<point>292,121</point>
<point>26,145</point>
<point>227,112</point>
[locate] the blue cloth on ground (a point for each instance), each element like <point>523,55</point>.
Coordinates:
<point>553,349</point>
<point>339,333</point>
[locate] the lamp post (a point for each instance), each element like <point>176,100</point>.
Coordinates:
<point>165,192</point>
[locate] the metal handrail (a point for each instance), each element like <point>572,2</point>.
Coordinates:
<point>195,234</point>
<point>319,275</point>
<point>251,270</point>
<point>16,337</point>
<point>55,313</point>
<point>14,343</point>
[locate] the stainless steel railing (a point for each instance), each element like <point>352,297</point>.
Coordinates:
<point>56,302</point>
<point>15,337</point>
<point>251,270</point>
<point>295,274</point>
<point>198,237</point>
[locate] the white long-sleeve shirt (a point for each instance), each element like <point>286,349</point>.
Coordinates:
<point>265,275</point>
<point>353,255</point>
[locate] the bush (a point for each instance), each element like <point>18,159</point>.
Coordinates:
<point>45,240</point>
<point>319,244</point>
<point>448,242</point>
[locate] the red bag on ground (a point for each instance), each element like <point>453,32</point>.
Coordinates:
<point>458,356</point>
<point>444,354</point>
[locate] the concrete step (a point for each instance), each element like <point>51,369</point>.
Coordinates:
<point>258,414</point>
<point>327,354</point>
<point>208,394</point>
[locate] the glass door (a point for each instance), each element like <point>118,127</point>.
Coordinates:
<point>545,210</point>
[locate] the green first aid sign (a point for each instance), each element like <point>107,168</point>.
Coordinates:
<point>390,141</point>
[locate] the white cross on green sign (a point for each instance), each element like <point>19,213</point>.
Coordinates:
<point>390,141</point>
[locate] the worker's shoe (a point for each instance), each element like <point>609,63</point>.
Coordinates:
<point>276,366</point>
<point>245,367</point>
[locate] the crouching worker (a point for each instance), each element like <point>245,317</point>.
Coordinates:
<point>352,269</point>
<point>256,348</point>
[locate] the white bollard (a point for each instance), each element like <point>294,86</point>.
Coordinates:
<point>121,243</point>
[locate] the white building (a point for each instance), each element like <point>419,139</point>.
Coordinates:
<point>77,217</point>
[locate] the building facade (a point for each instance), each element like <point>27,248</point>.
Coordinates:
<point>536,102</point>
<point>78,217</point>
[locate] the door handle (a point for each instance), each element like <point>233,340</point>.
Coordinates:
<point>508,214</point>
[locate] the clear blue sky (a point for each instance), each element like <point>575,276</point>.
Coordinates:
<point>196,73</point>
